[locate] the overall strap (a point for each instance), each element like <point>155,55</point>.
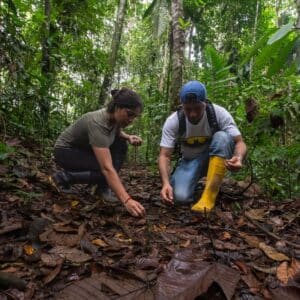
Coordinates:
<point>181,120</point>
<point>211,117</point>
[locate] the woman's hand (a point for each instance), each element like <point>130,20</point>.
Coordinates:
<point>135,208</point>
<point>134,140</point>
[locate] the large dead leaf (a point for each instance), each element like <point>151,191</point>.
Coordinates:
<point>50,260</point>
<point>104,287</point>
<point>62,238</point>
<point>185,278</point>
<point>286,271</point>
<point>253,283</point>
<point>59,239</point>
<point>289,292</point>
<point>51,276</point>
<point>72,254</point>
<point>272,253</point>
<point>252,241</point>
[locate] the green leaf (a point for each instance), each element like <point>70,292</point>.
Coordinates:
<point>279,34</point>
<point>281,58</point>
<point>258,45</point>
<point>226,79</point>
<point>150,9</point>
<point>183,25</point>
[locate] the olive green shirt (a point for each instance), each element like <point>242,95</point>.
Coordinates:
<point>92,129</point>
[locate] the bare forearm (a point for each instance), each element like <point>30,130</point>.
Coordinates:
<point>124,135</point>
<point>240,149</point>
<point>164,169</point>
<point>115,183</point>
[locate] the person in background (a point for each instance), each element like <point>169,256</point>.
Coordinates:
<point>93,148</point>
<point>210,143</point>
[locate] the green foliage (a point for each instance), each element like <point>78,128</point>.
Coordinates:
<point>217,75</point>
<point>280,33</point>
<point>232,46</point>
<point>158,11</point>
<point>5,151</point>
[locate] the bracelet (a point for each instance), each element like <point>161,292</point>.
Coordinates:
<point>127,199</point>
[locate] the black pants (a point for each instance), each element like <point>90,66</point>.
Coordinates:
<point>81,162</point>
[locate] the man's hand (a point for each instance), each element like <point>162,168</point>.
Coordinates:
<point>134,140</point>
<point>234,164</point>
<point>166,194</point>
<point>135,208</point>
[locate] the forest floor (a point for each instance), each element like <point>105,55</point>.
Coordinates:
<point>77,246</point>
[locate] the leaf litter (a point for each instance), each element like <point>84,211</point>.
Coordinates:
<point>76,246</point>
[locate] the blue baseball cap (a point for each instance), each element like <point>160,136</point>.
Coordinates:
<point>193,87</point>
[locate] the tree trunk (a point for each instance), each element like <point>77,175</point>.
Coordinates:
<point>297,2</point>
<point>177,52</point>
<point>44,102</point>
<point>191,42</point>
<point>163,76</point>
<point>254,35</point>
<point>115,44</point>
<point>298,11</point>
<point>277,9</point>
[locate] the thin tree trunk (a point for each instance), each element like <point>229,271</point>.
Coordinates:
<point>297,2</point>
<point>177,52</point>
<point>254,35</point>
<point>191,42</point>
<point>162,78</point>
<point>44,102</point>
<point>115,44</point>
<point>277,9</point>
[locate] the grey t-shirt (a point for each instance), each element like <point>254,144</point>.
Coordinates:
<point>199,131</point>
<point>92,129</point>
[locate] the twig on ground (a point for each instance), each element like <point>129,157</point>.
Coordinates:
<point>209,234</point>
<point>271,234</point>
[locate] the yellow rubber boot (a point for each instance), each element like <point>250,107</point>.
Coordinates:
<point>215,175</point>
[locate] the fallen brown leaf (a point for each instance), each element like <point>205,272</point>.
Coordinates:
<point>185,278</point>
<point>51,276</point>
<point>71,254</point>
<point>256,214</point>
<point>272,253</point>
<point>252,241</point>
<point>286,271</point>
<point>99,243</point>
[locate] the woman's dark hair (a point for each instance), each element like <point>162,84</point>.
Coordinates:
<point>124,98</point>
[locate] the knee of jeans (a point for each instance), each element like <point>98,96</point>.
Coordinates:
<point>222,137</point>
<point>222,144</point>
<point>182,197</point>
